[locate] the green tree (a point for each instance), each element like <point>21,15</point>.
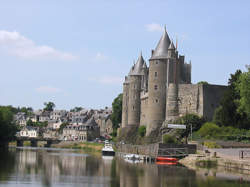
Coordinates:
<point>227,114</point>
<point>30,123</point>
<point>209,130</point>
<point>62,126</point>
<point>49,106</point>
<point>167,138</point>
<point>244,90</point>
<point>76,109</point>
<point>203,82</point>
<point>142,131</point>
<point>188,120</point>
<point>116,115</point>
<point>8,128</point>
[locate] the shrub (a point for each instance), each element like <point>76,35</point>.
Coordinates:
<point>169,139</point>
<point>187,120</point>
<point>209,130</point>
<point>211,145</point>
<point>142,131</point>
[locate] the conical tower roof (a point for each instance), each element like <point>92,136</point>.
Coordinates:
<point>138,66</point>
<point>161,50</point>
<point>171,46</point>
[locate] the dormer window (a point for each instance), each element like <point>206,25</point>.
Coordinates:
<point>156,87</point>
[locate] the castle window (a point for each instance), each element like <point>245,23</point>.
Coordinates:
<point>156,87</point>
<point>133,107</point>
<point>156,74</point>
<point>156,100</point>
<point>134,86</point>
<point>156,62</point>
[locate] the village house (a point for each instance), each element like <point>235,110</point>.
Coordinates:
<point>84,132</point>
<point>29,132</point>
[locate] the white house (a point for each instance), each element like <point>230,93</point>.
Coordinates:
<point>29,132</point>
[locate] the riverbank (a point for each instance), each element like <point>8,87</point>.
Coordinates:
<point>85,146</point>
<point>235,165</point>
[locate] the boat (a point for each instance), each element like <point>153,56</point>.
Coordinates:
<point>108,150</point>
<point>166,163</point>
<point>166,159</point>
<point>132,157</point>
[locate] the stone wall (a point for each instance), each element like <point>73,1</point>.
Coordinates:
<point>199,99</point>
<point>212,95</point>
<point>190,99</point>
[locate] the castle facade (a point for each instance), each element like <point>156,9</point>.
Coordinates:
<point>163,91</point>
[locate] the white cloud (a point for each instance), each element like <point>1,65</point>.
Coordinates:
<point>48,90</point>
<point>154,27</point>
<point>15,44</point>
<point>107,80</point>
<point>100,57</point>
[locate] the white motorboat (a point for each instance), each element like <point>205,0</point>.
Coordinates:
<point>108,150</point>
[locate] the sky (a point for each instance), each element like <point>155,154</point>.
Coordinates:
<point>76,53</point>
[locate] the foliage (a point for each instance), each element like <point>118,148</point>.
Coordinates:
<point>8,128</point>
<point>188,120</point>
<point>231,111</point>
<point>116,115</point>
<point>211,145</point>
<point>62,126</point>
<point>203,83</point>
<point>49,106</point>
<point>142,131</point>
<point>167,138</point>
<point>243,88</point>
<point>209,130</point>
<point>76,109</point>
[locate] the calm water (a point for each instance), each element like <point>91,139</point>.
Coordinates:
<point>24,167</point>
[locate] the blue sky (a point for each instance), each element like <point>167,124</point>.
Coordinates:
<point>76,53</point>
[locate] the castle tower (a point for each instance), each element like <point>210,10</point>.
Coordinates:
<point>157,84</point>
<point>125,100</point>
<point>172,87</point>
<point>135,86</point>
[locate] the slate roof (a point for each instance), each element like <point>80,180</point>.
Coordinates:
<point>161,50</point>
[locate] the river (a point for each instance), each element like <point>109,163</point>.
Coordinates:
<point>40,167</point>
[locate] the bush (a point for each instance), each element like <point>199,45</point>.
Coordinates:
<point>209,130</point>
<point>187,120</point>
<point>169,139</point>
<point>142,131</point>
<point>211,145</point>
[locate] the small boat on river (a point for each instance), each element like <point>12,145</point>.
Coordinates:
<point>166,159</point>
<point>108,150</point>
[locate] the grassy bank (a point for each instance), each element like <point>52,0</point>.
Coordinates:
<point>85,146</point>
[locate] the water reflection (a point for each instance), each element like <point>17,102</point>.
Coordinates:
<point>52,167</point>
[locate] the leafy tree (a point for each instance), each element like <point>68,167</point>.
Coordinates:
<point>167,138</point>
<point>228,113</point>
<point>30,123</point>
<point>203,83</point>
<point>76,109</point>
<point>116,115</point>
<point>26,110</point>
<point>49,106</point>
<point>62,126</point>
<point>8,128</point>
<point>209,130</point>
<point>244,90</point>
<point>142,131</point>
<point>188,120</point>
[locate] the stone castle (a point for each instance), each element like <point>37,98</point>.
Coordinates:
<point>163,91</point>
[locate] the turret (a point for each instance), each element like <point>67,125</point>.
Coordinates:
<point>172,112</point>
<point>125,100</point>
<point>135,86</point>
<point>157,84</point>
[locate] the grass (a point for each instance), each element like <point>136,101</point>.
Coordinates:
<point>86,146</point>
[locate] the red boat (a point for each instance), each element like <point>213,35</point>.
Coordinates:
<point>166,163</point>
<point>166,159</point>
